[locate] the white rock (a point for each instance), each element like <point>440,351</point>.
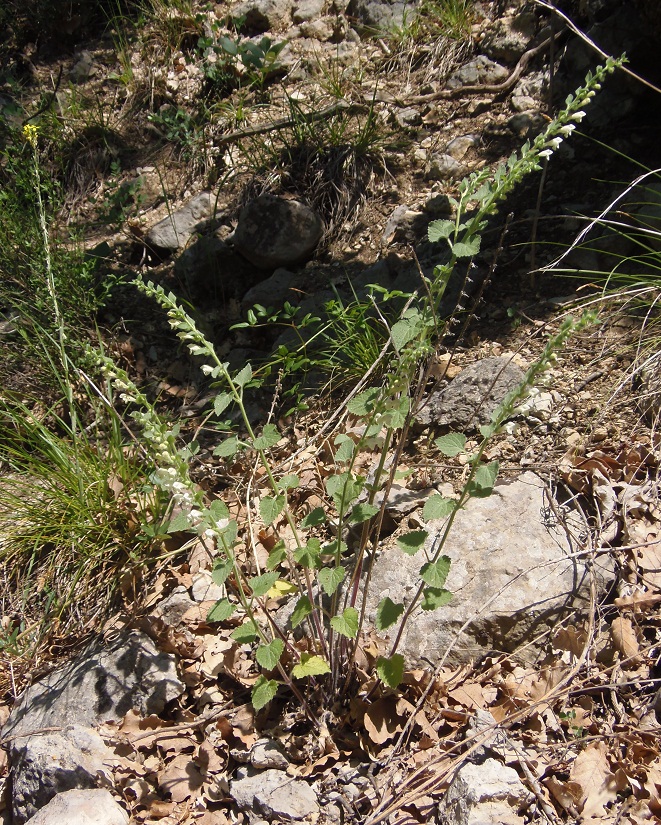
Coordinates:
<point>510,577</point>
<point>488,793</point>
<point>273,794</point>
<point>91,807</point>
<point>47,764</point>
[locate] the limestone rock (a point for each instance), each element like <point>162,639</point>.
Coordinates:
<point>509,37</point>
<point>268,754</point>
<point>173,607</point>
<point>272,292</point>
<point>275,232</point>
<point>321,29</point>
<point>381,15</point>
<point>77,807</point>
<point>458,147</point>
<point>83,68</point>
<point>510,576</point>
<point>264,15</point>
<point>527,124</point>
<point>479,71</point>
<point>648,396</point>
<point>273,794</point>
<point>173,232</point>
<point>45,765</point>
<point>488,792</point>
<point>443,167</point>
<point>472,397</point>
<point>307,10</point>
<point>102,684</point>
<point>204,589</point>
<point>404,224</point>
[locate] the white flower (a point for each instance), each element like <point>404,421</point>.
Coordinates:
<point>567,129</point>
<point>578,116</point>
<point>207,369</point>
<point>555,142</point>
<point>546,153</point>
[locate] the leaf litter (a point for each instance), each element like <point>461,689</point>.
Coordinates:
<point>589,746</point>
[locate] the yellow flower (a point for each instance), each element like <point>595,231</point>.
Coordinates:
<point>30,133</point>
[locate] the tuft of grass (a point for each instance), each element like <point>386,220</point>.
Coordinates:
<point>73,510</point>
<point>452,18</point>
<point>433,39</point>
<point>325,353</point>
<point>619,254</point>
<point>329,162</point>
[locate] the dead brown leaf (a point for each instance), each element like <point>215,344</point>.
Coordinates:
<point>181,778</point>
<point>598,785</point>
<point>625,640</point>
<point>472,696</point>
<point>568,794</point>
<point>382,720</point>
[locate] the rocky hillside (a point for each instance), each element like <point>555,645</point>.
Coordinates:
<point>216,607</point>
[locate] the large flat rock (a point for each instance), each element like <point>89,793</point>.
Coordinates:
<point>511,575</point>
<point>102,684</point>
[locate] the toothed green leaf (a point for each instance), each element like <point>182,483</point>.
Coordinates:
<point>439,230</point>
<point>260,585</point>
<point>309,556</point>
<point>363,403</point>
<point>303,608</point>
<point>362,512</point>
<point>221,611</point>
<point>221,402</point>
<point>451,444</point>
<point>387,613</point>
<point>245,633</point>
<point>263,691</point>
<point>437,507</point>
<point>484,480</point>
<point>219,510</point>
<point>221,569</point>
<point>433,598</point>
<point>228,448</point>
<point>269,437</point>
<point>391,670</point>
<point>435,573</point>
<point>242,377</point>
<point>347,623</point>
<point>310,666</point>
<point>411,542</point>
<point>314,518</point>
<point>270,508</point>
<point>269,655</point>
<point>330,578</point>
<point>276,556</point>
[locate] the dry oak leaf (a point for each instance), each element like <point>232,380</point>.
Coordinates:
<point>598,784</point>
<point>385,718</point>
<point>567,794</point>
<point>473,695</point>
<point>625,639</point>
<point>181,778</point>
<point>653,786</point>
